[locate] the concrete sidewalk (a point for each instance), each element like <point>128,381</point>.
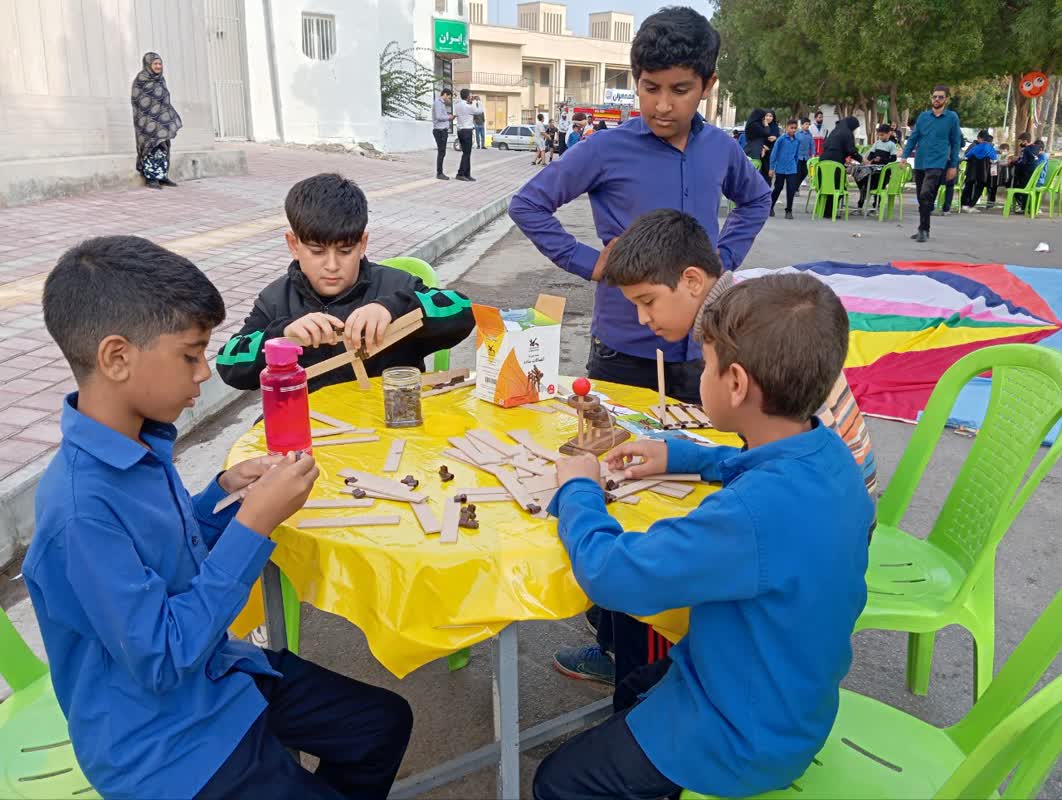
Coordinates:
<point>233,229</point>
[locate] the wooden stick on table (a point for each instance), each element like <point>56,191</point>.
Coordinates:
<point>346,502</point>
<point>429,523</point>
<point>343,522</point>
<point>346,440</point>
<point>394,455</point>
<point>660,385</point>
<point>450,520</point>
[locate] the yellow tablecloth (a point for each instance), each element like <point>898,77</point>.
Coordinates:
<point>415,599</point>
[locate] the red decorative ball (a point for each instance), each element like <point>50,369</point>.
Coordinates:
<point>581,386</point>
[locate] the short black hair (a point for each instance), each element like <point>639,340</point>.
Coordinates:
<point>465,93</point>
<point>884,128</point>
<point>579,116</point>
<point>657,247</point>
<point>940,87</point>
<point>327,209</point>
<point>676,36</point>
<point>789,122</point>
<point>817,112</point>
<point>1024,136</point>
<point>448,91</point>
<point>540,118</point>
<point>789,332</point>
<point>804,119</point>
<point>124,286</point>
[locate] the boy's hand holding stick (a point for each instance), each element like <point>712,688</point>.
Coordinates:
<point>280,491</point>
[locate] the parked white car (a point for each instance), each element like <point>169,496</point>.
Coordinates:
<point>514,137</point>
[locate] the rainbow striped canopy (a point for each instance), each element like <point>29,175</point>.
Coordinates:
<point>911,320</point>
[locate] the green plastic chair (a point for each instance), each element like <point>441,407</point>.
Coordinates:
<point>36,757</point>
<point>831,180</point>
<point>1052,188</point>
<point>1032,196</point>
<point>876,752</point>
<point>889,191</point>
<point>423,270</point>
<point>960,181</point>
<point>813,186</point>
<point>922,585</point>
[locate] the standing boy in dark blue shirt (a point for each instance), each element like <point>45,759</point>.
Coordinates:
<point>135,582</point>
<point>771,566</point>
<point>666,158</point>
<point>784,171</point>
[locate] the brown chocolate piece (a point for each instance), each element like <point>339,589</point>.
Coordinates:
<point>445,474</point>
<point>609,497</point>
<point>358,493</point>
<point>460,498</point>
<point>610,485</point>
<point>534,508</point>
<point>350,481</point>
<point>410,481</point>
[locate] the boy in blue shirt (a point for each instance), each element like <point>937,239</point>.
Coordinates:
<point>784,171</point>
<point>771,566</point>
<point>806,152</point>
<point>135,582</point>
<point>666,158</point>
<point>982,161</point>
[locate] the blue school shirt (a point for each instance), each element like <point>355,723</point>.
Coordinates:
<point>938,139</point>
<point>982,150</point>
<point>771,567</point>
<point>807,145</point>
<point>784,154</point>
<point>628,171</point>
<point>135,584</point>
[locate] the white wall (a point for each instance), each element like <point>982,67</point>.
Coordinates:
<point>405,135</point>
<point>66,69</point>
<point>323,101</point>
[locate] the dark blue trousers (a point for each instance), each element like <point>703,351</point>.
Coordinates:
<point>359,732</point>
<point>606,762</point>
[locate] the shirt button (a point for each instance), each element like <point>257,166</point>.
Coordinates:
<point>195,540</point>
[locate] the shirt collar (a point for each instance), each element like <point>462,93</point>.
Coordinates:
<point>791,447</point>
<point>109,446</point>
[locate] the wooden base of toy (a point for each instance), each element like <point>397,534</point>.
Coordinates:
<point>681,415</point>
<point>595,442</point>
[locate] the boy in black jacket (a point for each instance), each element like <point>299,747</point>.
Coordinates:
<point>332,293</point>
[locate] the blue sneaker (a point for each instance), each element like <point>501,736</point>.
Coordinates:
<point>589,663</point>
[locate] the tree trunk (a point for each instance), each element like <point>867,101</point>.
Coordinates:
<point>1022,108</point>
<point>894,111</point>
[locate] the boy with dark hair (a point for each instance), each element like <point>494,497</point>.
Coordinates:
<point>575,135</point>
<point>982,163</point>
<point>665,265</point>
<point>783,167</point>
<point>333,294</point>
<point>135,582</point>
<point>883,152</point>
<point>668,157</point>
<point>806,151</point>
<point>771,566</point>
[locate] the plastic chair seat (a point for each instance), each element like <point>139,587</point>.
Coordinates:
<point>36,757</point>
<point>874,751</point>
<point>910,578</point>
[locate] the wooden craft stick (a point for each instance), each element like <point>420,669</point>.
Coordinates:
<point>394,455</point>
<point>484,493</point>
<point>516,489</point>
<point>543,501</point>
<point>330,421</point>
<point>457,455</point>
<point>451,517</point>
<point>671,490</point>
<point>660,383</point>
<point>324,433</point>
<point>562,405</point>
<point>473,453</point>
<point>329,364</point>
<point>431,379</point>
<point>429,523</point>
<point>698,414</point>
<point>528,441</point>
<point>227,501</point>
<point>681,477</point>
<point>539,484</point>
<point>493,442</point>
<point>346,502</point>
<point>361,374</point>
<point>679,413</point>
<point>378,495</point>
<point>632,488</point>
<point>366,480</point>
<point>399,328</point>
<point>542,408</point>
<point>345,522</point>
<point>527,465</point>
<point>685,488</point>
<point>347,440</point>
<point>451,388</point>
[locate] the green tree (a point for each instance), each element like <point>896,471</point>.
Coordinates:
<point>980,103</point>
<point>406,85</point>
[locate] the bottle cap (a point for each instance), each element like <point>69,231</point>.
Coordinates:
<point>281,352</point>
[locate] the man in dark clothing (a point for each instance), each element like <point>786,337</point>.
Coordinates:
<point>333,295</point>
<point>938,140</point>
<point>840,146</point>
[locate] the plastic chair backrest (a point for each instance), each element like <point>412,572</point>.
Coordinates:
<point>830,178</point>
<point>1054,168</point>
<point>421,269</point>
<point>1003,730</point>
<point>1035,178</point>
<point>892,178</point>
<point>1024,405</point>
<point>755,162</point>
<point>18,664</point>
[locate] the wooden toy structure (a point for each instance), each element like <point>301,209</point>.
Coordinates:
<point>674,416</point>
<point>598,431</point>
<point>398,329</point>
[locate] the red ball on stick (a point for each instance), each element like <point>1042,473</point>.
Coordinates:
<point>581,386</point>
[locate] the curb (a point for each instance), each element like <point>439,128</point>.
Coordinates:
<point>17,490</point>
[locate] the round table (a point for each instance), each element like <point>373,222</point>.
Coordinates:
<point>415,598</point>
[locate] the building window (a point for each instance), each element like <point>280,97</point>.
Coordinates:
<point>584,75</point>
<point>621,81</point>
<point>460,8</point>
<point>475,12</point>
<point>544,72</point>
<point>318,36</point>
<point>440,6</point>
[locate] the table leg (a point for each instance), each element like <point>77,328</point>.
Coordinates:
<point>273,600</point>
<point>507,711</point>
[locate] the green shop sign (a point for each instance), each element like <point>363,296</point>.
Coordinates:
<point>451,36</point>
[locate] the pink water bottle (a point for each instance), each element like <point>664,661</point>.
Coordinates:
<point>285,399</point>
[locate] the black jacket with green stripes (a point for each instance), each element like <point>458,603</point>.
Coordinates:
<point>447,320</point>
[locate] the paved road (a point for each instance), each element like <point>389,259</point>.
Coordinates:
<point>453,711</point>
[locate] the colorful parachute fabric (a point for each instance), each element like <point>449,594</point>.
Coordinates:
<point>911,320</point>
